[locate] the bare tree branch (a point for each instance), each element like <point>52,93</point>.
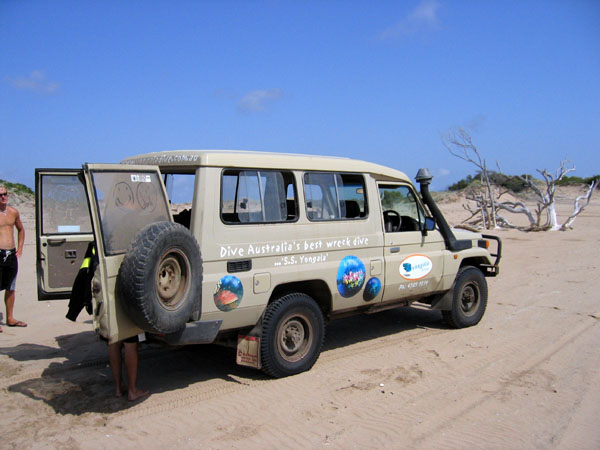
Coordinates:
<point>486,198</point>
<point>460,144</point>
<point>578,207</point>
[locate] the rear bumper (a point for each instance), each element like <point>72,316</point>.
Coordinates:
<point>192,333</point>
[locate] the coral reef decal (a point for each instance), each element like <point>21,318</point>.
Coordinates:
<point>350,276</point>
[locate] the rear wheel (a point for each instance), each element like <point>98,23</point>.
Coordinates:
<point>293,330</point>
<point>469,298</point>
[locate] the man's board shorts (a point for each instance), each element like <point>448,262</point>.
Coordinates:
<point>9,266</point>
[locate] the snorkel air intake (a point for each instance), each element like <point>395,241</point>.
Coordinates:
<point>424,178</point>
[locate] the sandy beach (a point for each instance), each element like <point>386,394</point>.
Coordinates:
<point>528,376</point>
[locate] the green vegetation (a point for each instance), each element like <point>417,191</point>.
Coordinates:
<point>16,188</point>
<point>577,180</point>
<point>461,184</point>
<point>512,182</point>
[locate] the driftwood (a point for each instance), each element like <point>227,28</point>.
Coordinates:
<point>580,203</point>
<point>486,199</point>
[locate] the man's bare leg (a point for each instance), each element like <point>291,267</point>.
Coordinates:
<point>114,357</point>
<point>131,364</point>
<point>9,301</point>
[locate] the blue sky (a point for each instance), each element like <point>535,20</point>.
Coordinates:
<point>97,81</point>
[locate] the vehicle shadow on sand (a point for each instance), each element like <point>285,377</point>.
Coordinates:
<point>82,383</point>
<point>364,327</point>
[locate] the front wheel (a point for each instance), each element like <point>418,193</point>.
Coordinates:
<point>293,330</point>
<point>469,298</point>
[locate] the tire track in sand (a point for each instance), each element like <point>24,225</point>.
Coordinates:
<point>210,389</point>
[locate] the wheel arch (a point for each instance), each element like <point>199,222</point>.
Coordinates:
<point>317,289</point>
<point>479,262</point>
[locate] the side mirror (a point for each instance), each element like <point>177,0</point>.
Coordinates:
<point>429,223</point>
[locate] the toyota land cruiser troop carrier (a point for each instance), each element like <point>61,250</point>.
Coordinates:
<point>258,249</point>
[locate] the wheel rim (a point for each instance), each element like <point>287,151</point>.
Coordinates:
<point>294,338</point>
<point>172,279</point>
<point>469,299</point>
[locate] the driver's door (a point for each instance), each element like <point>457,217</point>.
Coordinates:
<point>63,230</point>
<point>414,260</point>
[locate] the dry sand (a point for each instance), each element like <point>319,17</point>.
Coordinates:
<point>528,376</point>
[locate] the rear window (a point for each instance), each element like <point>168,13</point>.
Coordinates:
<point>127,201</point>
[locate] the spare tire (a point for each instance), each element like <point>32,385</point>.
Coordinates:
<point>160,278</point>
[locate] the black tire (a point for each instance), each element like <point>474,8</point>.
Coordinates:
<point>160,278</point>
<point>293,330</point>
<point>469,298</point>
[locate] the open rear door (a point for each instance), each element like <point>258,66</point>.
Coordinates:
<point>123,199</point>
<point>63,230</point>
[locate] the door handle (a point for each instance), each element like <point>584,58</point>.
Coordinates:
<point>395,250</point>
<point>70,254</point>
<point>56,241</point>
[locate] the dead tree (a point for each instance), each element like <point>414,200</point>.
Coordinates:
<point>580,203</point>
<point>460,144</point>
<point>546,217</point>
<point>486,196</point>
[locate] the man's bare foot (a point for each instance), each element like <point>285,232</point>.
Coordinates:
<point>136,395</point>
<point>122,390</point>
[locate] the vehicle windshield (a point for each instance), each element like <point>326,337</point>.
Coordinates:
<point>127,201</point>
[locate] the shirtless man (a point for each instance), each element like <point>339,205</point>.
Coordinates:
<point>9,219</point>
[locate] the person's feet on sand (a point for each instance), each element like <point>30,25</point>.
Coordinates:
<point>122,390</point>
<point>136,395</point>
<point>16,323</point>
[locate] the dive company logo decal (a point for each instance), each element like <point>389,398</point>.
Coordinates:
<point>415,267</point>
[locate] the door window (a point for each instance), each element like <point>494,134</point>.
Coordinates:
<point>401,210</point>
<point>334,196</point>
<point>64,205</point>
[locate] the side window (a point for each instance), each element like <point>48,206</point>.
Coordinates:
<point>258,196</point>
<point>180,189</point>
<point>334,196</point>
<point>64,205</point>
<point>401,210</point>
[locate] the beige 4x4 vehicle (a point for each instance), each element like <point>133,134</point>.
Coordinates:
<point>258,249</point>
